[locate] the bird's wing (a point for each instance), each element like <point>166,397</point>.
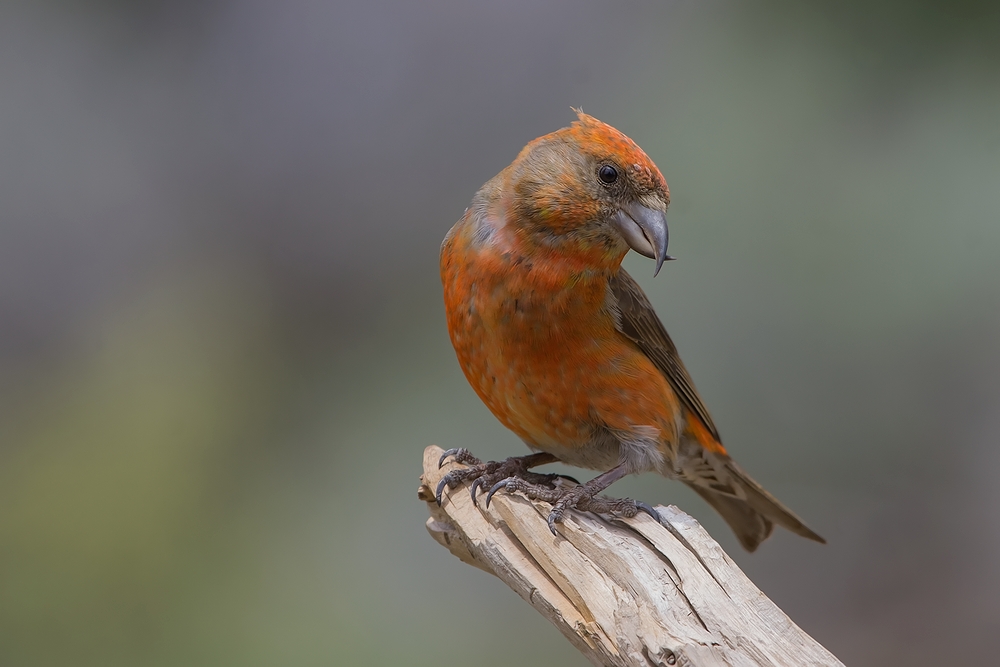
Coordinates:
<point>639,323</point>
<point>743,503</point>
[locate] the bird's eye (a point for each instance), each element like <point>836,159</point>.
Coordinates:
<point>607,174</point>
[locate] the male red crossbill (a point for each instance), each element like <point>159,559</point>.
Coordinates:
<point>563,346</point>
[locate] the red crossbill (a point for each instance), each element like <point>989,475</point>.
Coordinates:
<point>564,347</point>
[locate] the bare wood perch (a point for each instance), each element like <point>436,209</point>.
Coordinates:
<point>625,592</point>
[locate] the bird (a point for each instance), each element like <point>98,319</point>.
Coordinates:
<point>564,347</point>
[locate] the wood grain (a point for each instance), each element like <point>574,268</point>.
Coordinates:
<point>624,592</point>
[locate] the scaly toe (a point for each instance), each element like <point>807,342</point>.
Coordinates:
<point>496,487</point>
<point>460,455</point>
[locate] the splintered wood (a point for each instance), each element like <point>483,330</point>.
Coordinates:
<point>625,592</point>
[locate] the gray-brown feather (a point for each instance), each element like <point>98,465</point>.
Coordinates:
<point>638,322</point>
<point>743,503</point>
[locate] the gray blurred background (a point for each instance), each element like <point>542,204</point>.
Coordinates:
<point>222,344</point>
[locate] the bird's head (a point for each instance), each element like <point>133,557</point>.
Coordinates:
<point>589,188</point>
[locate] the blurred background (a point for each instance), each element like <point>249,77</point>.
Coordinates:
<point>223,349</point>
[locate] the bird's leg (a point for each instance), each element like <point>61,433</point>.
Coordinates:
<point>583,497</point>
<point>485,475</point>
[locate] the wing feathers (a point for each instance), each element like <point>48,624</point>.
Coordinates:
<point>749,510</point>
<point>639,323</point>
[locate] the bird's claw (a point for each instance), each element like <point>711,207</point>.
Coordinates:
<point>475,469</point>
<point>580,498</point>
<point>440,489</point>
<point>496,487</point>
<point>461,455</point>
<point>474,488</point>
<point>648,509</point>
<point>446,454</point>
<point>483,475</point>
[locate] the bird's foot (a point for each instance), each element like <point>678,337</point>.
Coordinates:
<point>486,475</point>
<point>583,498</point>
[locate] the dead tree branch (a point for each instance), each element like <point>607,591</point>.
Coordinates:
<point>625,592</point>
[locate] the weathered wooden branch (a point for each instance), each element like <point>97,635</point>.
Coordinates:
<point>625,592</point>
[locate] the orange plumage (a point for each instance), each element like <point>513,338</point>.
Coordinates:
<point>562,345</point>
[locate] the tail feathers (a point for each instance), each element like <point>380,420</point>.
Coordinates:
<point>751,527</point>
<point>748,509</point>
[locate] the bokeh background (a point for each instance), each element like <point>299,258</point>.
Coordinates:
<point>222,347</point>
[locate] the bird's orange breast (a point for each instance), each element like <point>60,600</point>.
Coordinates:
<point>537,341</point>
